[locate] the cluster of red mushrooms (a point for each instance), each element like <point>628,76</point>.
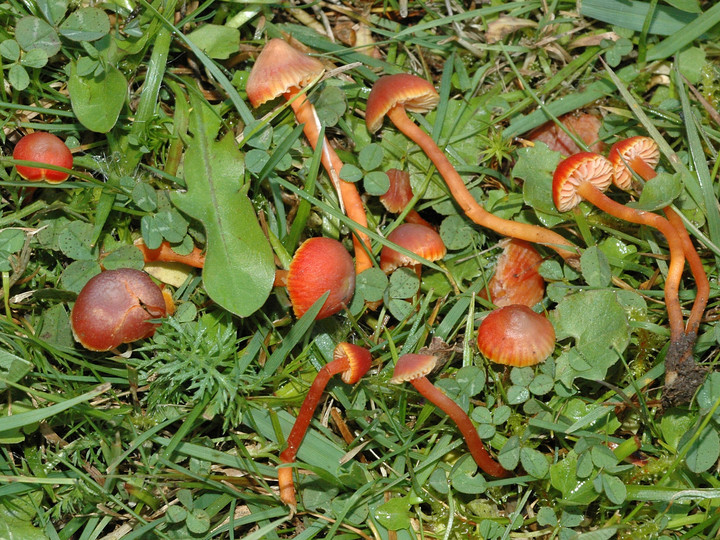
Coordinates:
<point>120,306</point>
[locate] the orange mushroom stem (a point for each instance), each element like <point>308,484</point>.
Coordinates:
<point>165,253</point>
<point>585,176</point>
<point>413,368</point>
<point>393,95</point>
<point>641,155</point>
<point>281,70</point>
<point>352,361</point>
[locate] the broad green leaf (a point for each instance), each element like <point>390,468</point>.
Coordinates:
<point>534,462</point>
<point>563,478</point>
<point>55,327</point>
<point>331,106</point>
<point>466,479</point>
<point>704,451</point>
<point>675,424</point>
<point>97,101</point>
<point>18,77</point>
<point>709,393</point>
<point>631,14</point>
<point>34,33</point>
<point>239,267</point>
<point>404,283</point>
<point>395,513</point>
<point>371,157</point>
<point>659,192</point>
<point>376,183</point>
<point>34,58</point>
<point>371,284</point>
<point>12,368</point>
<point>86,24</point>
<point>456,232</point>
<point>535,166</point>
<point>216,40</point>
<point>12,240</point>
<point>595,267</point>
<point>10,50</point>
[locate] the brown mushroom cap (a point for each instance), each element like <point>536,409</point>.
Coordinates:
<point>624,152</point>
<point>412,366</point>
<point>576,170</point>
<point>46,148</point>
<point>358,358</point>
<point>414,93</point>
<point>320,265</point>
<point>114,307</point>
<point>419,239</point>
<point>516,336</point>
<point>278,68</point>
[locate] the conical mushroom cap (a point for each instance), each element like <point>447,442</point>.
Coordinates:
<point>576,170</point>
<point>419,239</point>
<point>412,92</point>
<point>278,68</point>
<point>413,366</point>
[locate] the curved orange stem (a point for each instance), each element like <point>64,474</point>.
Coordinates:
<point>349,195</point>
<point>473,209</point>
<point>165,253</point>
<point>677,258</point>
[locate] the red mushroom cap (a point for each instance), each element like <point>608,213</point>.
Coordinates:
<point>412,366</point>
<point>44,148</point>
<point>114,307</point>
<point>320,265</point>
<point>516,336</point>
<point>624,152</point>
<point>419,239</point>
<point>359,359</point>
<point>278,68</point>
<point>585,125</point>
<point>576,170</point>
<point>516,279</point>
<point>414,93</point>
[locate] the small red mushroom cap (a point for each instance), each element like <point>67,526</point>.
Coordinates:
<point>622,154</point>
<point>414,93</point>
<point>114,307</point>
<point>320,265</point>
<point>397,197</point>
<point>419,239</point>
<point>359,359</point>
<point>516,279</point>
<point>584,125</point>
<point>516,336</point>
<point>278,68</point>
<point>44,148</point>
<point>576,170</point>
<point>413,366</point>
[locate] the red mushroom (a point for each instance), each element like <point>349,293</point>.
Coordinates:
<point>44,148</point>
<point>419,239</point>
<point>516,279</point>
<point>115,307</point>
<point>392,95</point>
<point>281,70</point>
<point>352,361</point>
<point>413,368</point>
<point>319,265</point>
<point>515,335</point>
<point>584,125</point>
<point>585,176</point>
<point>399,195</point>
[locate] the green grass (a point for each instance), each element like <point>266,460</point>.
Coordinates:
<point>178,436</point>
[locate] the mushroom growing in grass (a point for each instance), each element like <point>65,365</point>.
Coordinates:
<point>393,95</point>
<point>516,279</point>
<point>281,70</point>
<point>515,335</point>
<point>44,148</point>
<point>320,265</point>
<point>115,307</point>
<point>413,368</point>
<point>165,253</point>
<point>641,155</point>
<point>399,195</point>
<point>585,176</point>
<point>419,239</point>
<point>352,362</point>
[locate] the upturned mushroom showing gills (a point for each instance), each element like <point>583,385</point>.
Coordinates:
<point>399,195</point>
<point>393,95</point>
<point>641,155</point>
<point>44,148</point>
<point>413,368</point>
<point>516,279</point>
<point>281,70</point>
<point>352,362</point>
<point>320,265</point>
<point>585,176</point>
<point>419,239</point>
<point>115,307</point>
<point>516,336</point>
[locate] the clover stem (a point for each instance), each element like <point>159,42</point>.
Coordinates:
<point>348,193</point>
<point>467,202</point>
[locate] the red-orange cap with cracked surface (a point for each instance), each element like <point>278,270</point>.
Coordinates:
<point>278,68</point>
<point>622,154</point>
<point>419,239</point>
<point>413,366</point>
<point>46,148</point>
<point>114,307</point>
<point>575,170</point>
<point>413,93</point>
<point>516,336</point>
<point>321,264</point>
<point>397,197</point>
<point>516,279</point>
<point>358,358</point>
